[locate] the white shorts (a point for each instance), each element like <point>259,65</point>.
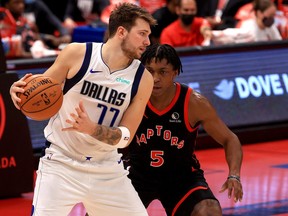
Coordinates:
<point>63,182</point>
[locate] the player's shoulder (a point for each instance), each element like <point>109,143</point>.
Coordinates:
<point>198,99</point>
<point>199,106</point>
<point>73,50</point>
<point>74,46</point>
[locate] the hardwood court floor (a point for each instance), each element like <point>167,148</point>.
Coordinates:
<point>264,178</point>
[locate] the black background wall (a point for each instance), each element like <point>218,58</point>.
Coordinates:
<point>16,153</point>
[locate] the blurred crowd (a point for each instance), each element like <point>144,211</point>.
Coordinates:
<point>39,28</point>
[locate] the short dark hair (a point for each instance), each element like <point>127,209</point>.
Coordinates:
<point>160,52</point>
<point>125,14</point>
<point>262,5</point>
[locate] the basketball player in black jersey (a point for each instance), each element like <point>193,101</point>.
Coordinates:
<point>161,157</point>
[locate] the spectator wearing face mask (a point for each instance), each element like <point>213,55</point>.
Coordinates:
<point>262,26</point>
<point>187,30</point>
<point>259,27</point>
<point>164,16</point>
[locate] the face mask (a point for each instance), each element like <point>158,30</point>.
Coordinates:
<point>187,19</point>
<point>268,21</point>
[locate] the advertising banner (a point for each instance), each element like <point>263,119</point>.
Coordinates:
<point>247,88</point>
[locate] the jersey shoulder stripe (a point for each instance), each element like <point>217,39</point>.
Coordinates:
<point>69,83</point>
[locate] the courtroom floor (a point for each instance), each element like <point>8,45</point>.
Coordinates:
<point>264,178</point>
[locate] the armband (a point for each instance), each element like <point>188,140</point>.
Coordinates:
<point>125,137</point>
<point>234,177</point>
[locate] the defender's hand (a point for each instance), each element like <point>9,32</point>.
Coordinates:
<point>234,186</point>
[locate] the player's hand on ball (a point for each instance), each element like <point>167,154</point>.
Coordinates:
<point>80,121</point>
<point>17,87</point>
<point>234,188</point>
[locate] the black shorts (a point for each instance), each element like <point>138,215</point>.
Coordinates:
<point>178,194</point>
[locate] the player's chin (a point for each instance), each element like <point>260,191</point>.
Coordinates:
<point>141,51</point>
<point>156,91</point>
<point>137,56</point>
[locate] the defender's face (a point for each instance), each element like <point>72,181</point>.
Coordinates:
<point>163,74</point>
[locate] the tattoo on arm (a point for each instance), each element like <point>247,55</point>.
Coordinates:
<point>109,135</point>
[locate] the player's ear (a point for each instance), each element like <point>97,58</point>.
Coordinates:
<point>176,73</point>
<point>121,32</point>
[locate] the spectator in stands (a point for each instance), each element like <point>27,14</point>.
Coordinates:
<point>25,25</point>
<point>17,25</point>
<point>84,12</point>
<point>57,7</point>
<point>51,30</point>
<point>187,30</point>
<point>164,17</point>
<point>227,13</point>
<point>152,5</point>
<point>281,17</point>
<point>206,9</point>
<point>220,13</point>
<point>260,27</point>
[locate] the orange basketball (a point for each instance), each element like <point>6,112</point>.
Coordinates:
<point>42,98</point>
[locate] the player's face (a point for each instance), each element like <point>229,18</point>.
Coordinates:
<point>163,74</point>
<point>136,41</point>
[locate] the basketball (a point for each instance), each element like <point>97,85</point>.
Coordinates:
<point>42,98</point>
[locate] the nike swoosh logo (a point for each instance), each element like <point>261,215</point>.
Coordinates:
<point>94,71</point>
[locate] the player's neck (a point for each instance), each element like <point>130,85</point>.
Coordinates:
<point>161,102</point>
<point>114,58</point>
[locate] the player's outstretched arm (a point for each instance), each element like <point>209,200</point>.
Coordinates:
<point>201,111</point>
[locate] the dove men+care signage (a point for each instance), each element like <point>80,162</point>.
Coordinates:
<point>247,88</point>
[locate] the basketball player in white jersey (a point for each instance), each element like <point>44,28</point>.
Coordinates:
<point>106,89</point>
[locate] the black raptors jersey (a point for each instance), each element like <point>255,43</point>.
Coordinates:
<point>165,141</point>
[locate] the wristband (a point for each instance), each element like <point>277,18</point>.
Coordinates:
<point>125,137</point>
<point>234,177</point>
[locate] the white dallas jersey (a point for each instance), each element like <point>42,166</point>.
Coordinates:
<point>105,97</point>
